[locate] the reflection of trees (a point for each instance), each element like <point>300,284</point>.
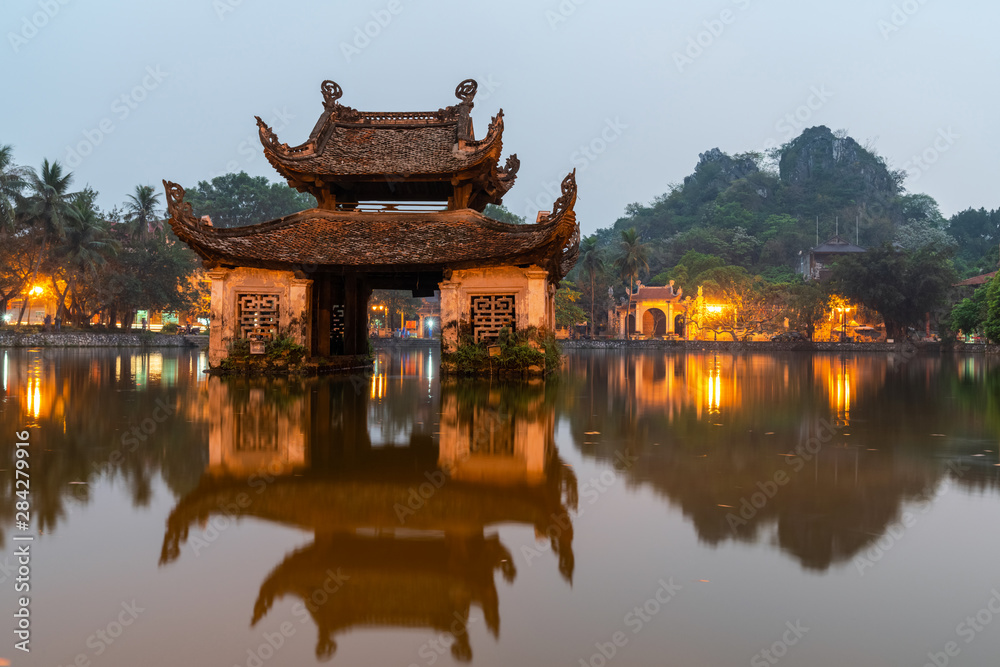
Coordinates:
<point>707,429</point>
<point>313,465</point>
<point>79,404</point>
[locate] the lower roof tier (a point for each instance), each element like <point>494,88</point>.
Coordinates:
<point>381,241</point>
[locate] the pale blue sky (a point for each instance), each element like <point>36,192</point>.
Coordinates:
<point>568,75</point>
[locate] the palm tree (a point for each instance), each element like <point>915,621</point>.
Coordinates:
<point>141,211</point>
<point>85,246</point>
<point>632,257</point>
<point>11,184</point>
<point>593,264</point>
<point>46,208</point>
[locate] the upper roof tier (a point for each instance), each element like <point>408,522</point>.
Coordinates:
<point>354,156</point>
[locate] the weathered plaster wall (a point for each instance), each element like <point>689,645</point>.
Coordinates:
<point>294,314</point>
<point>534,302</point>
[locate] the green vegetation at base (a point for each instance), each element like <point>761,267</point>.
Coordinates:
<point>281,355</point>
<point>525,352</point>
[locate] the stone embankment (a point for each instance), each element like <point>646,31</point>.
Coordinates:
<point>91,339</point>
<point>774,346</point>
<point>405,343</point>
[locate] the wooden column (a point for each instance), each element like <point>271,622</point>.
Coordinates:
<point>356,293</point>
<point>324,301</point>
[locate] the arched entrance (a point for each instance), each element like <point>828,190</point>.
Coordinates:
<point>631,324</point>
<point>654,322</point>
<point>679,325</point>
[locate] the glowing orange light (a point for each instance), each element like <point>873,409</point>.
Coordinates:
<point>37,289</point>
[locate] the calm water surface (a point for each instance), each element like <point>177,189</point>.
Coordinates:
<point>640,509</point>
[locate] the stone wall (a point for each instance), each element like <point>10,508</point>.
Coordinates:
<point>405,343</point>
<point>769,346</point>
<point>87,339</point>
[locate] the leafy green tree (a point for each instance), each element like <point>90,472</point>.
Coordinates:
<point>900,286</point>
<point>632,257</point>
<point>12,183</point>
<point>141,212</point>
<point>970,314</point>
<point>568,312</point>
<point>236,200</point>
<point>923,225</point>
<point>977,233</point>
<point>807,304</point>
<point>84,250</point>
<point>142,276</point>
<point>503,214</point>
<point>398,306</point>
<point>992,326</point>
<point>592,262</point>
<point>46,209</point>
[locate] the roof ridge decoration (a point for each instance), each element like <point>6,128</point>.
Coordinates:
<point>178,209</point>
<point>564,217</point>
<point>567,199</point>
<point>346,143</point>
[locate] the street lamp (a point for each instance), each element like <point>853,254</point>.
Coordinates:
<point>843,332</point>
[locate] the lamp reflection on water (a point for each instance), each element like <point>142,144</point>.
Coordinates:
<point>713,387</point>
<point>840,393</point>
<point>34,397</point>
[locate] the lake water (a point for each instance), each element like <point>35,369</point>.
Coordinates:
<point>639,509</point>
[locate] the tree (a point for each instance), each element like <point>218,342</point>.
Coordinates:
<point>503,214</point>
<point>85,248</point>
<point>12,183</point>
<point>46,209</point>
<point>140,211</point>
<point>743,303</point>
<point>148,276</point>
<point>568,313</point>
<point>398,305</point>
<point>235,200</point>
<point>808,302</point>
<point>900,286</point>
<point>632,257</point>
<point>592,262</point>
<point>918,234</point>
<point>970,314</point>
<point>992,325</point>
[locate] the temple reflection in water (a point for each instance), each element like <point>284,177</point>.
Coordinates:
<point>412,501</point>
<point>849,435</point>
<point>402,530</point>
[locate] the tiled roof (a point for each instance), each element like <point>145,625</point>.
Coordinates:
<point>385,240</point>
<point>349,143</point>
<point>373,150</point>
<point>976,280</point>
<point>837,245</point>
<point>648,293</point>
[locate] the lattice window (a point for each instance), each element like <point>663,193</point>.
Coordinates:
<point>258,316</point>
<point>337,329</point>
<point>490,314</point>
<point>337,320</point>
